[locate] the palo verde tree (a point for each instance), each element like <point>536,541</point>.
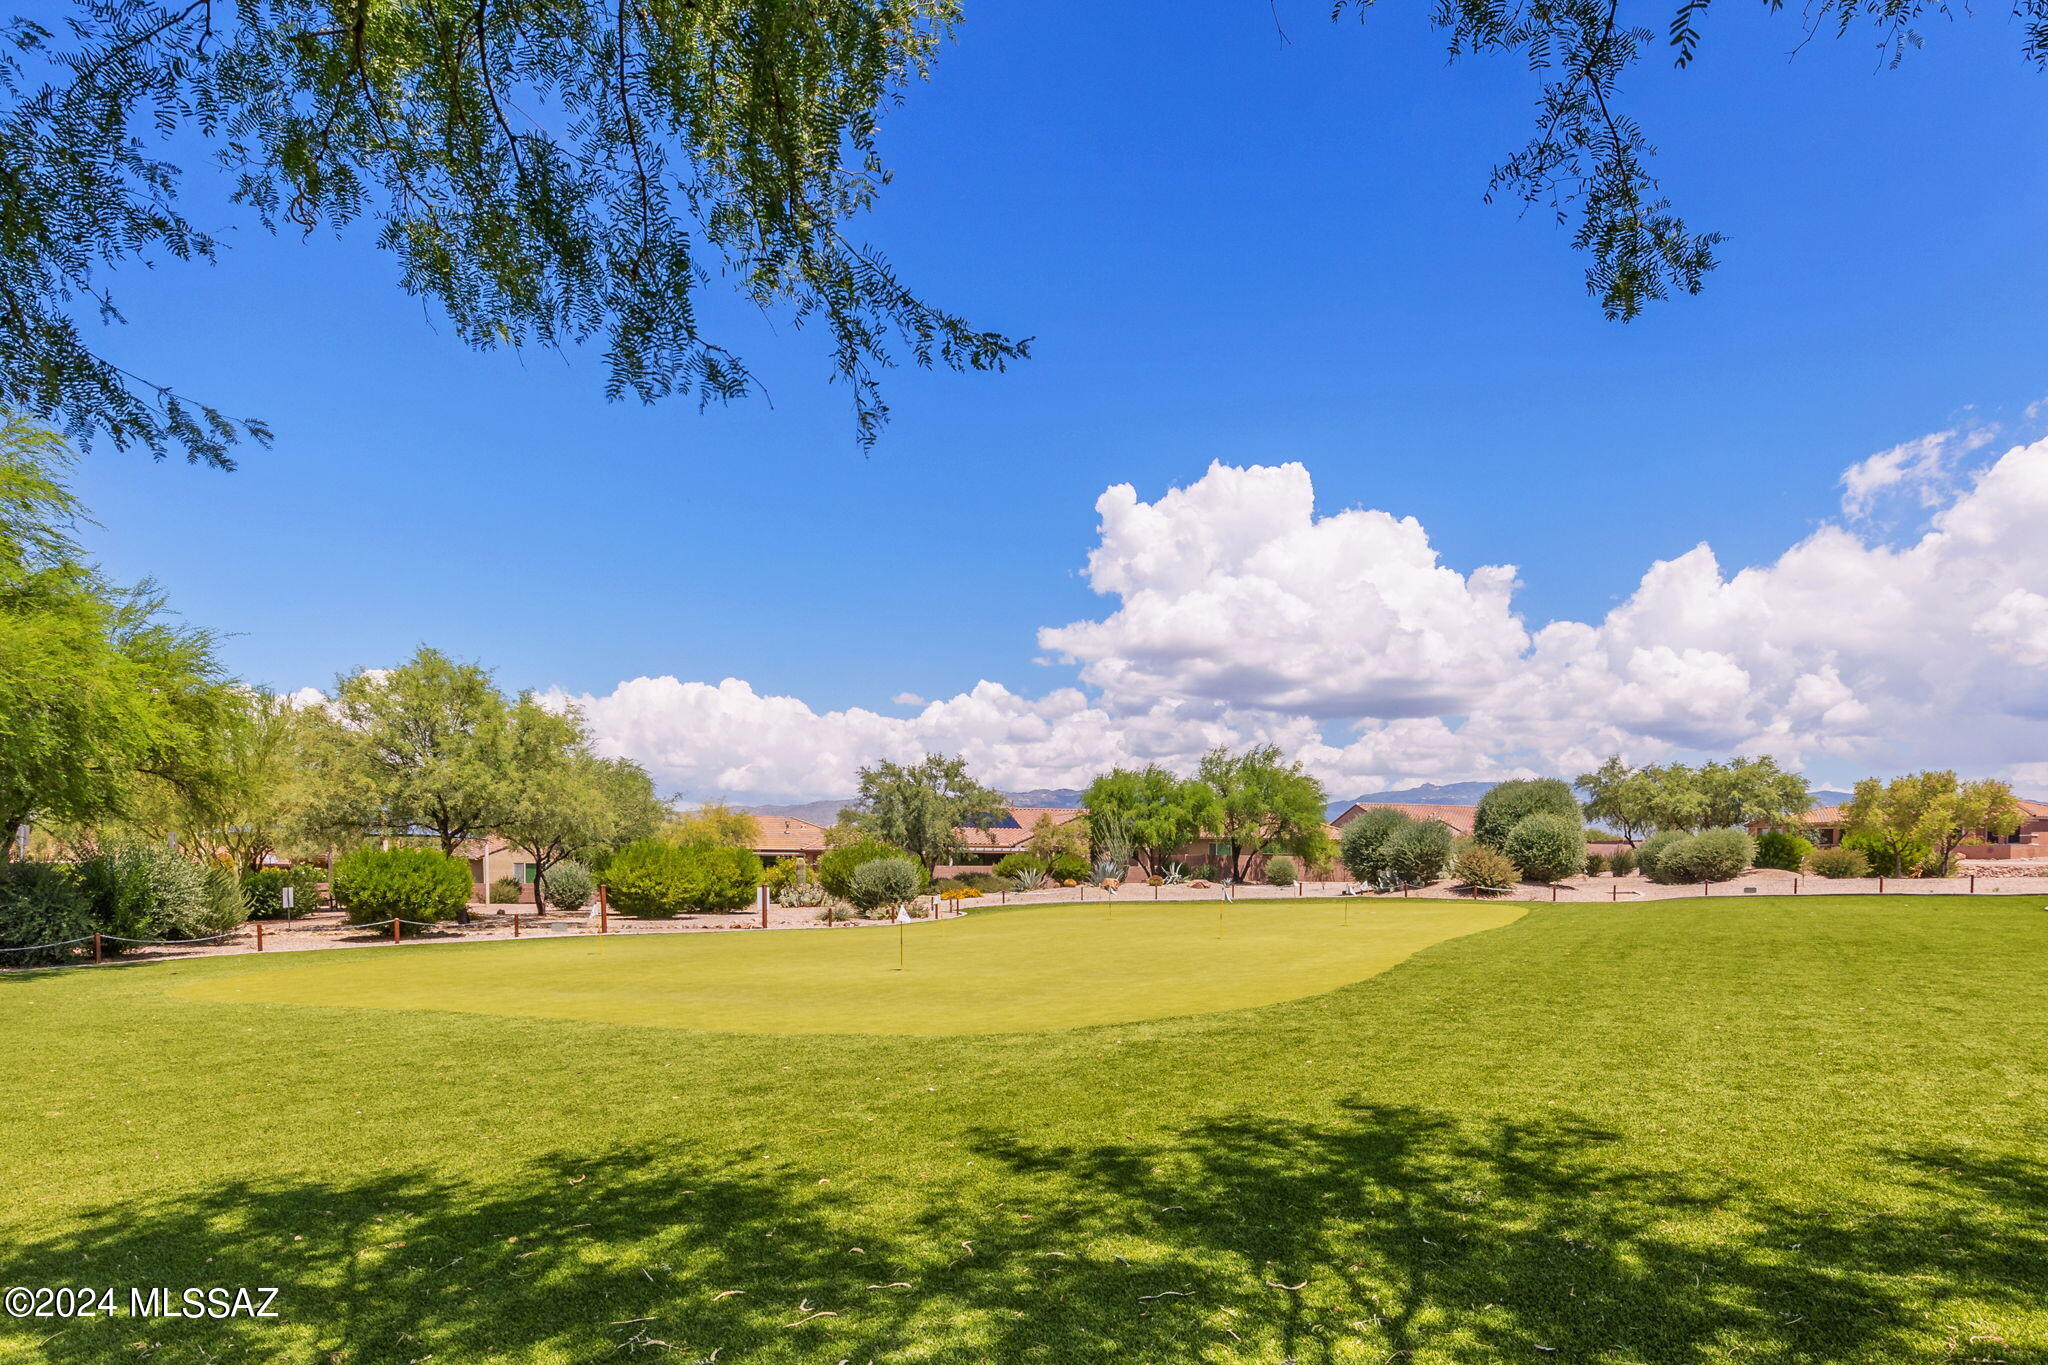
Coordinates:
<point>921,807</point>
<point>1264,805</point>
<point>104,697</point>
<point>1157,812</point>
<point>544,171</point>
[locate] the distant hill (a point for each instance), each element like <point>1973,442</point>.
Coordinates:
<point>824,812</point>
<point>1428,794</point>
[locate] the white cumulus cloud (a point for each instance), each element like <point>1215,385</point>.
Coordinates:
<point>1237,613</point>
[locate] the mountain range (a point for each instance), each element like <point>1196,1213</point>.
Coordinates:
<point>825,811</point>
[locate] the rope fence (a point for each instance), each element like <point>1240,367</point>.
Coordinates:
<point>261,935</point>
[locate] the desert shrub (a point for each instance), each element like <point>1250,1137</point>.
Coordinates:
<point>222,908</point>
<point>1483,868</point>
<point>1784,851</point>
<point>1068,869</point>
<point>1420,850</point>
<point>1909,858</point>
<point>507,891</point>
<point>1280,871</point>
<point>719,877</point>
<point>1838,862</point>
<point>142,892</point>
<point>263,892</point>
<point>1595,864</point>
<point>1622,862</point>
<point>887,881</point>
<point>1362,847</point>
<point>1546,846</point>
<point>837,867</point>
<point>1508,804</point>
<point>41,903</point>
<point>375,884</point>
<point>570,886</point>
<point>649,879</point>
<point>1013,865</point>
<point>1712,855</point>
<point>960,893</point>
<point>1650,857</point>
<point>987,883</point>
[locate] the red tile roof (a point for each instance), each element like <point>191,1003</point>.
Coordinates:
<point>1459,818</point>
<point>786,834</point>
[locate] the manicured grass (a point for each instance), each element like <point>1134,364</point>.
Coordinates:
<point>1753,1130</point>
<point>1049,968</point>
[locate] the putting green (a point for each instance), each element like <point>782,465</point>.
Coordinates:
<point>1051,967</point>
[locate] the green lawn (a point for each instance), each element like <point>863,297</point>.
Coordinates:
<point>1747,1130</point>
<point>1051,968</point>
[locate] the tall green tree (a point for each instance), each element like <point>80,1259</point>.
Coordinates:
<point>1620,798</point>
<point>546,172</point>
<point>712,822</point>
<point>565,801</point>
<point>1158,811</point>
<point>257,796</point>
<point>103,694</point>
<point>1932,811</point>
<point>921,807</point>
<point>1264,805</point>
<point>1740,792</point>
<point>424,748</point>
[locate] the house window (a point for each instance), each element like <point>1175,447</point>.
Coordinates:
<point>523,872</point>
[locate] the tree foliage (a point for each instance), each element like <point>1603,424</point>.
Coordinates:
<point>1677,796</point>
<point>1504,807</point>
<point>1158,812</point>
<point>1930,811</point>
<point>427,747</point>
<point>375,884</point>
<point>837,866</point>
<point>922,807</point>
<point>544,171</point>
<point>104,697</point>
<point>713,822</point>
<point>1263,804</point>
<point>564,802</point>
<point>884,881</point>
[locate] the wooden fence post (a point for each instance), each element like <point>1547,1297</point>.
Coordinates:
<point>395,923</point>
<point>1973,883</point>
<point>515,924</point>
<point>604,910</point>
<point>259,935</point>
<point>1880,884</point>
<point>96,955</point>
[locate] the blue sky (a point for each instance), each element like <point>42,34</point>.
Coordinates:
<point>1229,247</point>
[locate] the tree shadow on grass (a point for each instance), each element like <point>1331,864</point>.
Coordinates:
<point>1383,1234</point>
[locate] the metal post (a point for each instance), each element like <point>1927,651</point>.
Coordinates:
<point>899,945</point>
<point>1614,893</point>
<point>604,910</point>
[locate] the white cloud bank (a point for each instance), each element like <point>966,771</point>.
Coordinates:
<point>1242,615</point>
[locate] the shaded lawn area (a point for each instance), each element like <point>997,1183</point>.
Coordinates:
<point>1756,1130</point>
